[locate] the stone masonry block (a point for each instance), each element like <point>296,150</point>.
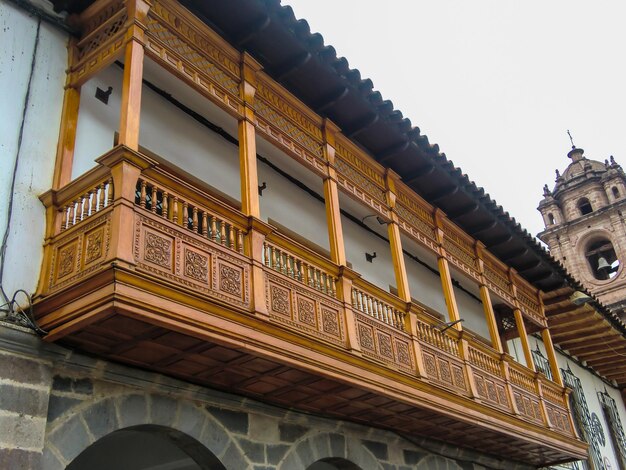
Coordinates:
<point>20,431</point>
<point>337,445</point>
<point>101,418</point>
<point>321,446</point>
<point>233,458</point>
<point>58,406</point>
<point>291,432</point>
<point>263,428</point>
<point>254,451</point>
<point>163,410</point>
<point>71,438</point>
<point>23,400</point>
<point>214,437</point>
<point>275,453</point>
<point>23,370</point>
<point>133,410</point>
<point>379,449</point>
<point>191,420</point>
<point>17,459</point>
<point>234,421</point>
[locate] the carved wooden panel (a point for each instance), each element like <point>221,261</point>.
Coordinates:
<point>193,53</point>
<point>559,418</point>
<point>167,250</point>
<point>384,343</point>
<point>303,308</point>
<point>491,389</point>
<point>443,369</point>
<point>417,224</point>
<point>79,251</point>
<point>527,404</point>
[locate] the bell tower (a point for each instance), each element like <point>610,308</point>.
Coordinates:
<point>585,227</point>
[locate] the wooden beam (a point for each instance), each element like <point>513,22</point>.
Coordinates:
<point>554,365</point>
<point>331,197</point>
<point>521,328</point>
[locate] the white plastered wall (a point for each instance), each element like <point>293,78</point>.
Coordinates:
<point>292,207</point>
<point>358,242</point>
<point>164,129</point>
<point>591,384</point>
<point>40,130</point>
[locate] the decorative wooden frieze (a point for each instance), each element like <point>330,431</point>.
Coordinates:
<point>303,308</point>
<point>384,343</point>
<point>79,251</point>
<point>184,45</point>
<point>176,255</point>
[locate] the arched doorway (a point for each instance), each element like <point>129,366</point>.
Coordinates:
<point>146,447</point>
<point>333,464</point>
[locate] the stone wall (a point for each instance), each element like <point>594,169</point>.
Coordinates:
<point>55,403</point>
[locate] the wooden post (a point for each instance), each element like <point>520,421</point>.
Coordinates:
<point>554,366</point>
<point>485,298</point>
<point>67,131</point>
<point>445,274</point>
<point>247,139</point>
<point>331,197</point>
<point>133,74</point>
<point>344,294</point>
<point>521,330</point>
<point>395,241</point>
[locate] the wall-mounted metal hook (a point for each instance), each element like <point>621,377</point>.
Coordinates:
<point>104,95</point>
<point>370,256</point>
<point>262,187</point>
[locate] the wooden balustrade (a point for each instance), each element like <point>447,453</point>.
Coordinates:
<point>522,377</point>
<point>377,308</point>
<point>86,204</point>
<point>433,335</point>
<point>194,217</point>
<point>283,261</point>
<point>487,360</point>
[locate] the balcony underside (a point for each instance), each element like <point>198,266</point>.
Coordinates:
<point>138,319</point>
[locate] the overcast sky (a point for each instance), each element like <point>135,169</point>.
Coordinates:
<point>495,83</point>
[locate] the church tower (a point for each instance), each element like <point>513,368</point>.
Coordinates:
<point>585,227</point>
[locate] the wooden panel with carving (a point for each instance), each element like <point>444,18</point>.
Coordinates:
<point>459,248</point>
<point>174,254</point>
<point>384,343</point>
<point>304,308</point>
<point>101,43</point>
<point>179,42</point>
<point>415,217</point>
<point>289,124</point>
<point>360,176</point>
<point>488,375</point>
<point>525,392</point>
<point>496,277</point>
<point>79,251</point>
<point>555,400</point>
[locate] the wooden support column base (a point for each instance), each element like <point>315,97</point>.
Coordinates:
<point>411,325</point>
<point>542,403</point>
<point>257,232</point>
<point>507,384</point>
<point>464,353</point>
<point>344,294</point>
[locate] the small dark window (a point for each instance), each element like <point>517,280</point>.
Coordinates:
<point>602,259</point>
<point>551,219</point>
<point>615,192</point>
<point>584,206</point>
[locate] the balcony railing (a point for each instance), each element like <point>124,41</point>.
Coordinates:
<point>177,236</point>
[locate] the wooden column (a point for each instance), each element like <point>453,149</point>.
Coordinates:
<point>395,242</point>
<point>445,274</point>
<point>335,236</point>
<point>331,197</point>
<point>249,181</point>
<point>485,298</point>
<point>521,330</point>
<point>554,366</point>
<point>67,131</point>
<point>133,74</point>
<point>247,139</point>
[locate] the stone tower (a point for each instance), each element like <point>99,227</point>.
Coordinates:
<point>585,228</point>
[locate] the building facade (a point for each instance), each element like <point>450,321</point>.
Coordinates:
<point>585,227</point>
<point>223,249</point>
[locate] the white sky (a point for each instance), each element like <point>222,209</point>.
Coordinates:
<point>496,83</point>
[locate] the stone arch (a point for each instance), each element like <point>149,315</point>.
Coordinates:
<point>593,241</point>
<point>340,450</point>
<point>143,446</point>
<point>86,423</point>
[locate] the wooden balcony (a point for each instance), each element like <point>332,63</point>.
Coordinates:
<point>145,267</point>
